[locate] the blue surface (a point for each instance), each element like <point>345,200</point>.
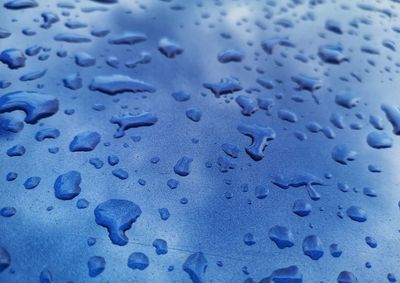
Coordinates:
<point>220,141</point>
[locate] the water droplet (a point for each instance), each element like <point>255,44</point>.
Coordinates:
<point>47,133</point>
<point>16,150</point>
<point>371,242</point>
<point>379,140</point>
<point>312,247</point>
<point>301,208</point>
<point>66,186</point>
<point>230,55</point>
<point>13,58</point>
<point>84,59</point>
<point>5,259</point>
<point>96,265</point>
<point>161,246</point>
<point>120,174</point>
<point>347,277</point>
<point>287,115</point>
<point>113,84</point>
<point>282,236</point>
<point>193,114</point>
<point>248,239</point>
<point>332,54</point>
<point>196,265</point>
<point>8,211</point>
<point>356,213</point>
<point>347,99</point>
<point>46,276</point>
<point>183,166</point>
<point>32,182</point>
<point>164,213</point>
<point>290,274</point>
<point>128,38</point>
<point>85,141</point>
<point>138,260</point>
<point>71,38</point>
<point>335,250</point>
<point>393,115</point>
<point>342,154</point>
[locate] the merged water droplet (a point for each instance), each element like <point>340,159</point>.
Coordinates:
<point>307,180</point>
<point>248,105</point>
<point>307,83</point>
<point>117,216</point>
<point>270,44</point>
<point>127,121</point>
<point>260,137</point>
<point>35,105</point>
<point>225,86</point>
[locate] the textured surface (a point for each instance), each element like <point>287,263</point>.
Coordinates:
<point>260,139</point>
